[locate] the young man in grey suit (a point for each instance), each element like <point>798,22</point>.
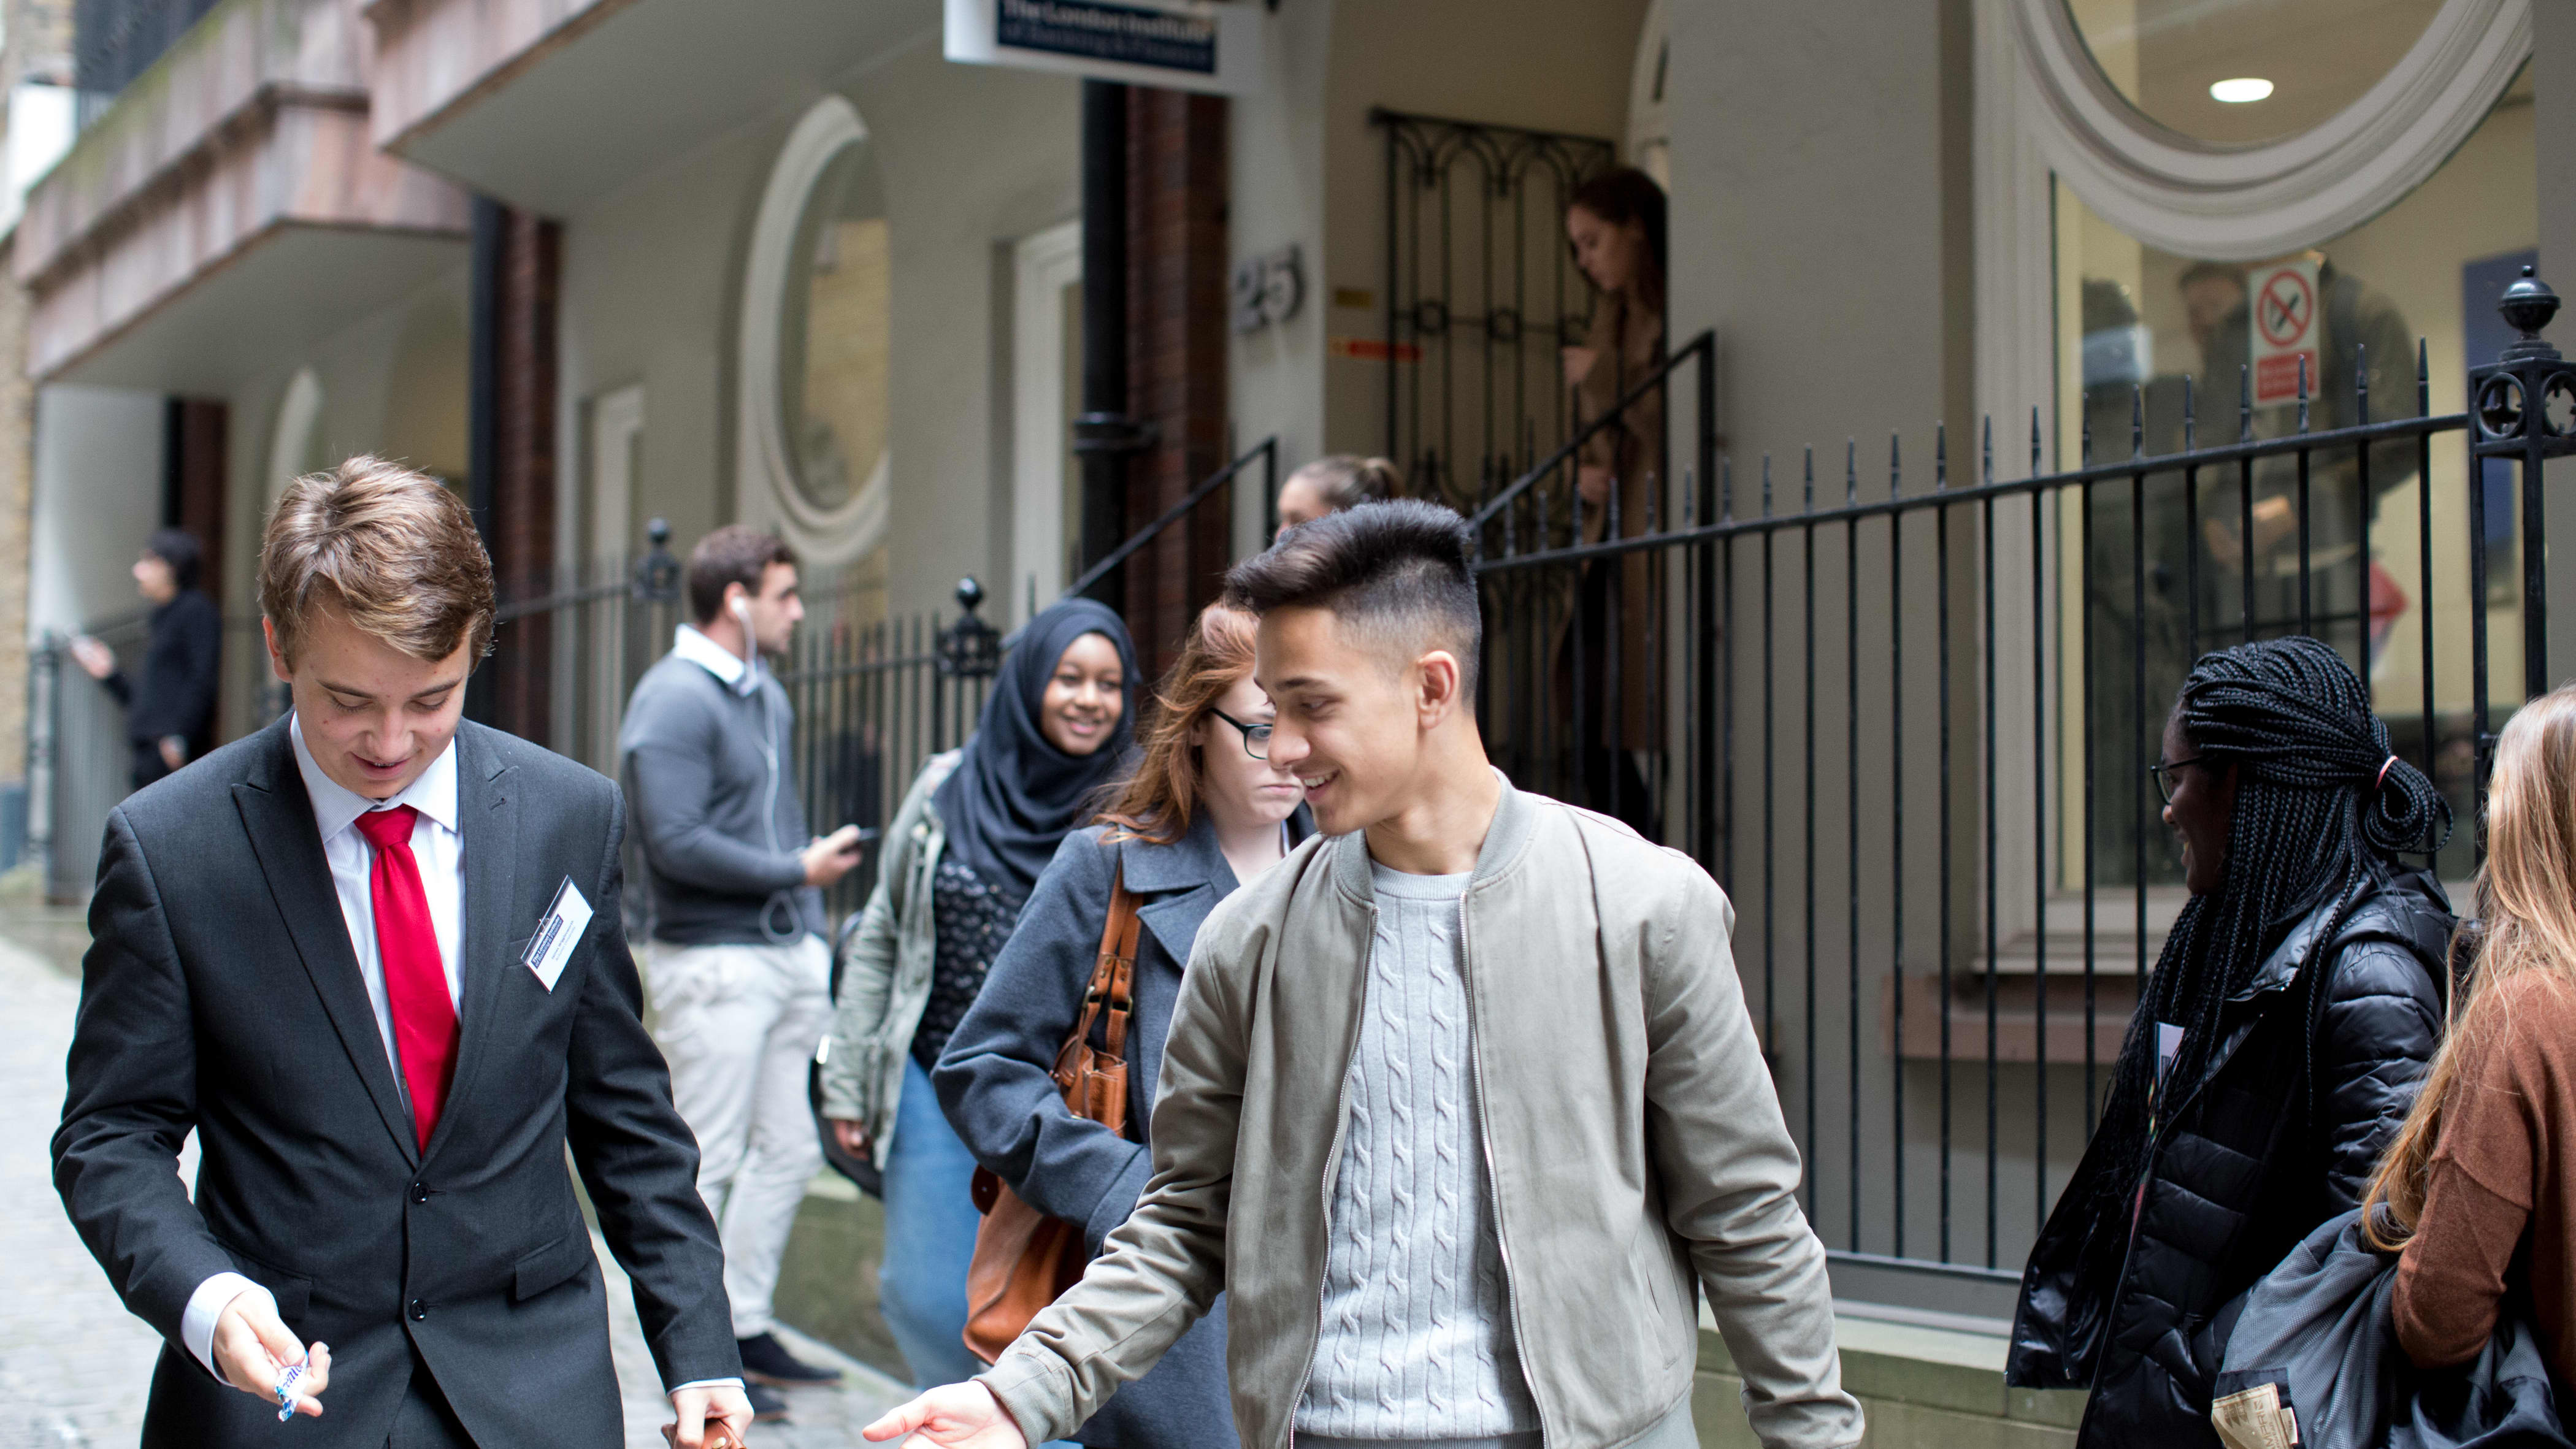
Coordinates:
<point>372,957</point>
<point>1460,1105</point>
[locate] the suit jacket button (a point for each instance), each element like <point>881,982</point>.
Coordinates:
<point>420,1192</point>
<point>419,1310</point>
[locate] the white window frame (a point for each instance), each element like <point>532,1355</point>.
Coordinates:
<point>2242,203</point>
<point>1043,265</point>
<point>764,464</point>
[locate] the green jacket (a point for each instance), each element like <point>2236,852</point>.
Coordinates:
<point>885,968</point>
<point>1633,1142</point>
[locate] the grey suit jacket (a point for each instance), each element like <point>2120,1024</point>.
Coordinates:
<point>220,995</point>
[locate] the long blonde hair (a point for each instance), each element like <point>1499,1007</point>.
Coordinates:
<point>2525,925</point>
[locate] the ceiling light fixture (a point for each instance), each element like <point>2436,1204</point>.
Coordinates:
<point>2241,90</point>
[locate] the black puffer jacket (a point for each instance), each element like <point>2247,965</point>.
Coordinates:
<point>2248,1160</point>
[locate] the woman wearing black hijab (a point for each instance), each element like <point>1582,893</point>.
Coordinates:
<point>978,827</point>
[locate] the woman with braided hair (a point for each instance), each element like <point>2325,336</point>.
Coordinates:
<point>2275,1050</point>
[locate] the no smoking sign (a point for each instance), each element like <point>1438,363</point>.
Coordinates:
<point>2284,300</point>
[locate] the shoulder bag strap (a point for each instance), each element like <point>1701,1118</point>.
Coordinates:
<point>1111,979</point>
<point>1118,956</point>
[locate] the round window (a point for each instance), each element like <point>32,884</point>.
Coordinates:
<point>832,335</point>
<point>2243,72</point>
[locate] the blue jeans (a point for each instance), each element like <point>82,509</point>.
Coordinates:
<point>930,1223</point>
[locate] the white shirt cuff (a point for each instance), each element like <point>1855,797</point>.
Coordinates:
<point>206,1306</point>
<point>708,1384</point>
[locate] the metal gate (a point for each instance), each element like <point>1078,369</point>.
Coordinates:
<point>1480,293</point>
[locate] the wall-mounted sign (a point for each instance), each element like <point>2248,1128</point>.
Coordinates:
<point>2284,302</point>
<point>1267,289</point>
<point>1192,45</point>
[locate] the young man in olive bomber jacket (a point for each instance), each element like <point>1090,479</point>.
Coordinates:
<point>1460,1103</point>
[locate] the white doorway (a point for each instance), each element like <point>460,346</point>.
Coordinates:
<point>616,446</point>
<point>1046,381</point>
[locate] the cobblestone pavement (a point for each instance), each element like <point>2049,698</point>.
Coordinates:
<point>817,1417</point>
<point>74,1365</point>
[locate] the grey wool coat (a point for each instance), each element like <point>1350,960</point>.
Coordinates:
<point>993,1083</point>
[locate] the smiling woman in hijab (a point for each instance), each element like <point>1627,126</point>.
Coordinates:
<point>978,827</point>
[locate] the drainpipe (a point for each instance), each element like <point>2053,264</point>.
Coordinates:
<point>482,395</point>
<point>1104,436</point>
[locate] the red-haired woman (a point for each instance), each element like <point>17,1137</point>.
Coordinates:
<point>1203,813</point>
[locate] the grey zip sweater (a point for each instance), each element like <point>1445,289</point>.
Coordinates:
<point>708,771</point>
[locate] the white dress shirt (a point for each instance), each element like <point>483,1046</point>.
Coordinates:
<point>692,644</point>
<point>439,850</point>
<point>438,847</point>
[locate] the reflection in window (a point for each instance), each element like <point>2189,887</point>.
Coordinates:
<point>2319,55</point>
<point>833,340</point>
<point>2216,557</point>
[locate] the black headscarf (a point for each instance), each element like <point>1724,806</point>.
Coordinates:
<point>1015,796</point>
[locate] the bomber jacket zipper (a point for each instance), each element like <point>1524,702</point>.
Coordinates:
<point>1332,1172</point>
<point>1493,1184</point>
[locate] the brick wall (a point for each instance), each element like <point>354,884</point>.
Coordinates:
<point>196,475</point>
<point>1176,307</point>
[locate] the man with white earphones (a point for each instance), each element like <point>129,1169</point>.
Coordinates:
<point>735,960</point>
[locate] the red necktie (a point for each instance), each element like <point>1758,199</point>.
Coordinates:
<point>415,983</point>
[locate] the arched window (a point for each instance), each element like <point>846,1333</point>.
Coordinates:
<point>2367,99</point>
<point>2252,198</point>
<point>815,342</point>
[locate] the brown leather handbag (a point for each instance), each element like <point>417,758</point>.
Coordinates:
<point>1023,1258</point>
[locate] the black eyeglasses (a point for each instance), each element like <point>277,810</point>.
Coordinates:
<point>2163,771</point>
<point>1256,737</point>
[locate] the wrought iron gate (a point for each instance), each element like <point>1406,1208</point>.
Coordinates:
<point>1480,293</point>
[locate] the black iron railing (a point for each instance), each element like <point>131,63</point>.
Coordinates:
<point>1908,729</point>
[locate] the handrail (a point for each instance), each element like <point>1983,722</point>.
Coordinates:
<point>1705,342</point>
<point>1943,496</point>
<point>1267,448</point>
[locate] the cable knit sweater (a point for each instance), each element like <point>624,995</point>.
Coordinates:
<point>1417,1337</point>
